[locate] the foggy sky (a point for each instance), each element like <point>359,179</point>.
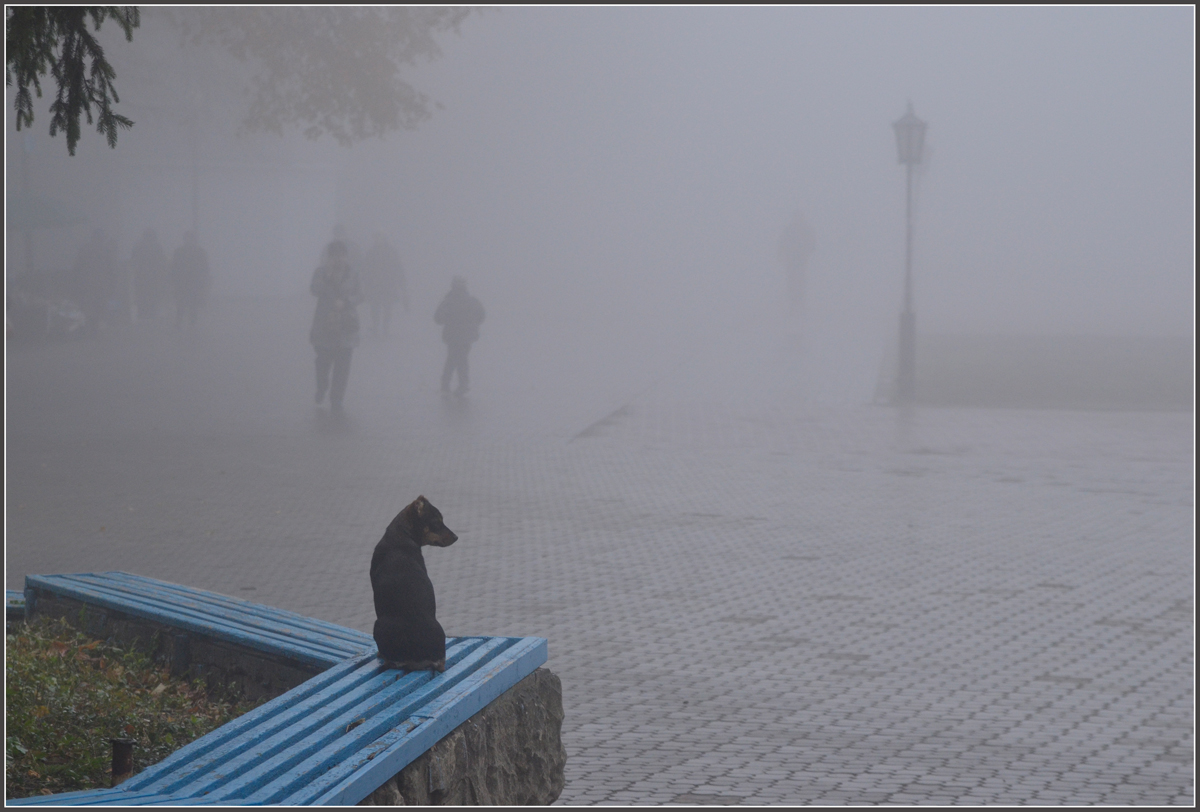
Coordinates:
<point>675,144</point>
<point>615,181</point>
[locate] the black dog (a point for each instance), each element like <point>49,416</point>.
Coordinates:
<point>406,629</point>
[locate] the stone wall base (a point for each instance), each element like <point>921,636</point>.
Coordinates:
<point>510,753</point>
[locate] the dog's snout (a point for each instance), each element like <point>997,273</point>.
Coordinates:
<point>442,537</point>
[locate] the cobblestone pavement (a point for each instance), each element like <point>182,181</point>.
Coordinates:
<point>751,595</point>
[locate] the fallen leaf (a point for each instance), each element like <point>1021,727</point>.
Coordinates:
<point>158,690</point>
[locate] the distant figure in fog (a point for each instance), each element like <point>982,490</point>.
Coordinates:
<point>190,279</point>
<point>460,315</point>
<point>335,330</point>
<point>148,266</point>
<point>94,282</point>
<point>383,284</point>
<point>353,254</point>
<point>795,247</point>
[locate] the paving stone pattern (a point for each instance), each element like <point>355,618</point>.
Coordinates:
<point>751,596</point>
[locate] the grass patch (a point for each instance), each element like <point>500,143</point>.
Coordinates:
<point>67,695</point>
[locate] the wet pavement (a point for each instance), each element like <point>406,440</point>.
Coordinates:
<point>752,594</point>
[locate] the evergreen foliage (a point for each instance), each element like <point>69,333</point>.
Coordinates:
<point>56,40</point>
<point>329,70</point>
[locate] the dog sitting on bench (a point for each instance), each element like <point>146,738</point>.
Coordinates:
<point>406,628</point>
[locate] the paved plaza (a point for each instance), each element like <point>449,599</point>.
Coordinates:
<point>752,594</point>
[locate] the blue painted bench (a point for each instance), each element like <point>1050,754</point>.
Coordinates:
<point>14,605</point>
<point>258,651</point>
<point>233,620</point>
<point>334,739</point>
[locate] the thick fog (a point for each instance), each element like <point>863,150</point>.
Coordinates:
<point>677,461</point>
<point>614,184</point>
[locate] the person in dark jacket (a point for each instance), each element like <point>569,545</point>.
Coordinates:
<point>335,331</point>
<point>460,315</point>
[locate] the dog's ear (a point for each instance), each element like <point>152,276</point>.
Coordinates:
<point>411,514</point>
<point>421,502</point>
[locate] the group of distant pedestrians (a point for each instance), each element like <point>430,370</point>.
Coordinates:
<point>344,280</point>
<point>110,293</point>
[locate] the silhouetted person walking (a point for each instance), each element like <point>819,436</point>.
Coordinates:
<point>383,284</point>
<point>94,283</point>
<point>460,315</point>
<point>335,330</point>
<point>148,264</point>
<point>190,279</point>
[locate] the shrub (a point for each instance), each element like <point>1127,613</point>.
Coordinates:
<point>67,695</point>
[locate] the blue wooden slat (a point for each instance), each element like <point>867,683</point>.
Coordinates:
<point>157,800</point>
<point>265,731</point>
<point>379,718</point>
<point>273,736</point>
<point>195,758</point>
<point>121,798</point>
<point>102,797</point>
<point>393,701</point>
<point>194,620</point>
<point>121,586</point>
<point>241,605</point>
<point>64,798</point>
<point>106,796</point>
<point>365,771</point>
<point>200,620</point>
<point>241,614</point>
<point>206,802</point>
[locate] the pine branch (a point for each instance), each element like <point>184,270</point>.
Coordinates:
<point>55,39</point>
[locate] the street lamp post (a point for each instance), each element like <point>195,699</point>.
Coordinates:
<point>910,141</point>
